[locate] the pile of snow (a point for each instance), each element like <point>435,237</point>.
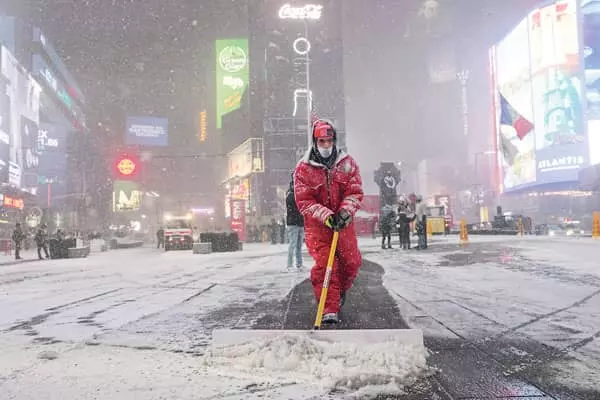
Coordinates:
<point>351,368</point>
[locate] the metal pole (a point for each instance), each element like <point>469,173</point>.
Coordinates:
<point>477,187</point>
<point>476,156</point>
<point>49,195</point>
<point>308,94</point>
<point>463,77</point>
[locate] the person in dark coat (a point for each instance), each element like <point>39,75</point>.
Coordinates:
<point>41,241</point>
<point>405,218</point>
<point>421,215</point>
<point>274,227</point>
<point>295,225</point>
<point>282,231</point>
<point>18,236</point>
<point>160,237</point>
<point>387,220</point>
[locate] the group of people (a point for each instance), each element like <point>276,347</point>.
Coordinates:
<point>41,240</point>
<point>405,215</point>
<point>274,232</point>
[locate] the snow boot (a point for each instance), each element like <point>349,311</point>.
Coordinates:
<point>330,318</point>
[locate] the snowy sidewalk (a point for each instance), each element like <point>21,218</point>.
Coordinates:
<point>83,372</point>
<point>136,324</point>
<point>27,256</point>
<point>509,318</point>
<point>506,318</point>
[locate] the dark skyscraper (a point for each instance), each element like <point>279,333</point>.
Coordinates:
<point>284,92</point>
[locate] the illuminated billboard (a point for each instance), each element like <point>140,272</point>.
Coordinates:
<point>537,85</point>
<point>127,196</point>
<point>246,159</point>
<point>233,70</point>
<point>147,131</point>
<point>19,121</point>
<point>591,52</point>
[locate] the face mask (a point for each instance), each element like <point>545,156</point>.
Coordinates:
<point>325,153</point>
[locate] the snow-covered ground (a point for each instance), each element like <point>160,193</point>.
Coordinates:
<point>136,323</point>
<point>510,288</point>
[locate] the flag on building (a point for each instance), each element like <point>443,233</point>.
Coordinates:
<point>510,117</point>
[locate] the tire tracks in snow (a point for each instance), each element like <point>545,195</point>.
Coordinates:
<point>72,303</point>
<point>200,293</point>
<point>550,314</point>
<point>476,346</point>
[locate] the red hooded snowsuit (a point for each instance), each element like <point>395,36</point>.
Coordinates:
<point>320,193</point>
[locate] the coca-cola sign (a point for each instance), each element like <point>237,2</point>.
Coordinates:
<point>309,11</point>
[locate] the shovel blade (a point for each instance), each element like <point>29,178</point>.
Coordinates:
<point>409,337</point>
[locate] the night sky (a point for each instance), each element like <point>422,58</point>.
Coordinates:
<point>155,57</point>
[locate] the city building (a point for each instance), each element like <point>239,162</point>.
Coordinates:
<point>45,149</point>
<point>295,56</point>
<point>545,96</point>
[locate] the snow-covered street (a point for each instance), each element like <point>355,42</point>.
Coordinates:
<point>503,317</point>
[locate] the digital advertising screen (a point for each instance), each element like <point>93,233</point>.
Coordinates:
<point>52,149</point>
<point>29,139</point>
<point>537,83</point>
<point>147,131</point>
<point>5,129</point>
<point>127,196</point>
<point>20,113</point>
<point>233,69</point>
<point>590,10</point>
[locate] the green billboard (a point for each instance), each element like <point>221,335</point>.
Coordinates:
<point>127,196</point>
<point>232,75</point>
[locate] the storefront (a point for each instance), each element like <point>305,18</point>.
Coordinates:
<point>243,182</point>
<point>12,210</point>
<point>552,205</point>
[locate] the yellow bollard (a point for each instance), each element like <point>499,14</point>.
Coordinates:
<point>464,234</point>
<point>596,225</point>
<point>520,227</point>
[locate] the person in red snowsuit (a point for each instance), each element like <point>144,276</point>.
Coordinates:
<point>328,191</point>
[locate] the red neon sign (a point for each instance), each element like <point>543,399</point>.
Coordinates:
<point>13,202</point>
<point>126,166</point>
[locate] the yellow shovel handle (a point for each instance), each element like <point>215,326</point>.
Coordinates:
<point>326,281</point>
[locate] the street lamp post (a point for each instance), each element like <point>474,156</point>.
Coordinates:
<point>463,78</point>
<point>478,184</point>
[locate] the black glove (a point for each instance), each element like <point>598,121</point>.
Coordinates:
<point>330,222</point>
<point>342,219</point>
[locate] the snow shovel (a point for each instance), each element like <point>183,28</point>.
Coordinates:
<point>409,337</point>
<point>325,289</point>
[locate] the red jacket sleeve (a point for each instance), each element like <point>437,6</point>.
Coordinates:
<point>353,192</point>
<point>305,193</point>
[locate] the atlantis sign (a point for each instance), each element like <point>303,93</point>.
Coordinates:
<point>309,11</point>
